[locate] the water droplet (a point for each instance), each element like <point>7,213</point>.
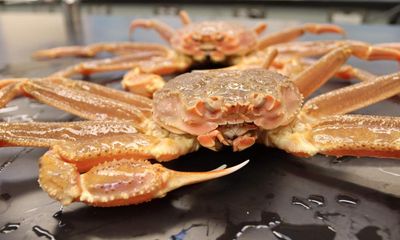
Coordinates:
<point>300,202</point>
<point>58,215</point>
<point>40,232</point>
<point>347,200</point>
<point>9,227</point>
<point>317,199</point>
<point>271,226</point>
<point>281,236</point>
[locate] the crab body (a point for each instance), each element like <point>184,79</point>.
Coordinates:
<point>232,105</point>
<point>214,40</point>
<point>103,162</point>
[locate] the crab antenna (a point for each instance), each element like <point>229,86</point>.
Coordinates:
<point>179,179</point>
<point>184,17</point>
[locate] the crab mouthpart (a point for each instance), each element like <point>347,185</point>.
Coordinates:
<point>239,136</point>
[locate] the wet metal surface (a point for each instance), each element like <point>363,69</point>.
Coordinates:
<point>254,203</point>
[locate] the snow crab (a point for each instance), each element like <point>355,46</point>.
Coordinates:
<point>104,161</point>
<point>209,43</point>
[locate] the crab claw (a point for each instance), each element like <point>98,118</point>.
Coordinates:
<point>116,183</point>
<point>126,182</point>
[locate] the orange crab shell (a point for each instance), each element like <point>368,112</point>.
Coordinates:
<point>216,39</point>
<point>201,101</point>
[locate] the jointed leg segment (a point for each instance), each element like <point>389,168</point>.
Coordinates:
<point>321,128</point>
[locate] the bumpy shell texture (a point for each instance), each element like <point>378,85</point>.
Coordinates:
<point>200,101</point>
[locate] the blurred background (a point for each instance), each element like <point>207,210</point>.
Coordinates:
<point>74,21</point>
<point>337,11</point>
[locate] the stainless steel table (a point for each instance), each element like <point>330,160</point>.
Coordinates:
<point>276,196</point>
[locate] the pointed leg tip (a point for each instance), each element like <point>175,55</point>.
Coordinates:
<point>239,166</point>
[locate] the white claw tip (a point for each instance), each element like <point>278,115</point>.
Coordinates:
<point>239,166</point>
<point>223,166</point>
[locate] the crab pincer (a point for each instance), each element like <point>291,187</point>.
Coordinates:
<point>116,183</point>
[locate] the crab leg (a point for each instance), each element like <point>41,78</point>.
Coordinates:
<point>353,135</point>
<point>145,79</point>
<point>353,97</point>
<point>184,16</point>
<point>163,29</point>
<point>8,91</point>
<point>318,48</point>
<point>142,103</point>
<point>393,45</point>
<point>347,72</point>
<point>39,134</point>
<point>295,32</point>
<point>144,84</point>
<point>123,182</point>
<point>123,62</point>
<point>114,168</point>
<point>123,48</point>
<point>260,59</point>
<point>260,28</point>
<point>87,153</point>
<point>321,71</point>
<point>320,127</point>
<point>357,136</point>
<point>80,102</point>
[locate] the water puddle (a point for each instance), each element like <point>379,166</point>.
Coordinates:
<point>9,227</point>
<point>272,227</point>
<point>40,232</point>
<point>345,200</point>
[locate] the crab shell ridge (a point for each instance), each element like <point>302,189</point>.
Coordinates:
<point>216,39</point>
<point>202,101</point>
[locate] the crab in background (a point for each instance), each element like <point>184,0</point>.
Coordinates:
<point>104,161</point>
<point>207,43</point>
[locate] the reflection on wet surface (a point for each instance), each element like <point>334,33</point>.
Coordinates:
<point>347,200</point>
<point>301,202</point>
<point>317,199</point>
<point>9,227</point>
<point>40,232</point>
